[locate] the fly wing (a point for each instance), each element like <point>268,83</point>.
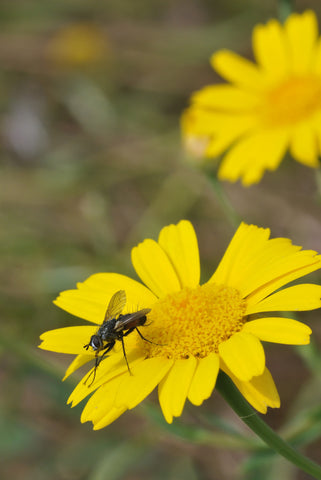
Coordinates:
<point>128,320</point>
<point>116,305</point>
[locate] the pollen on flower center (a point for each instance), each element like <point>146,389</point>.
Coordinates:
<point>294,100</point>
<point>193,322</point>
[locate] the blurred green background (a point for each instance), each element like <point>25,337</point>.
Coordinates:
<point>91,164</point>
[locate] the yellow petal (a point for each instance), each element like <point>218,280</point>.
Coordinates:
<point>204,379</point>
<point>244,355</point>
<point>265,264</point>
<point>260,391</point>
<point>225,98</point>
<point>173,389</point>
<point>254,154</point>
<point>298,297</point>
<point>253,262</point>
<point>67,340</point>
<point>303,144</point>
<point>154,268</point>
<point>200,121</point>
<point>180,244</point>
<point>102,401</point>
<point>78,362</point>
<point>214,130</point>
<point>270,49</point>
<point>301,32</point>
<point>238,70</point>
<point>145,377</point>
<point>247,240</point>
<point>90,300</point>
<point>317,58</point>
<point>109,418</point>
<point>279,330</point>
<point>111,367</point>
<point>285,270</point>
<point>137,295</point>
<point>227,130</point>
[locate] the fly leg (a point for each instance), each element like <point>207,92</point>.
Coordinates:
<point>93,372</point>
<point>130,330</point>
<point>121,337</point>
<point>124,351</point>
<point>106,349</point>
<point>146,339</point>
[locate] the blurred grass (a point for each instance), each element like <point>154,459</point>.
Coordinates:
<point>91,163</point>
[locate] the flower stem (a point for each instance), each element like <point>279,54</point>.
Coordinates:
<point>223,200</point>
<point>285,8</point>
<point>318,183</point>
<point>238,403</point>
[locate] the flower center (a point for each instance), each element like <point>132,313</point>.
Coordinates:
<point>193,322</point>
<point>294,100</point>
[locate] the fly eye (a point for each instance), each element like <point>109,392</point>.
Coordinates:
<point>95,342</point>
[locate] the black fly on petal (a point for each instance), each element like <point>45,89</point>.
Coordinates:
<point>115,327</point>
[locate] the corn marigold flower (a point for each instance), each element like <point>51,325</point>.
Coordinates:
<point>78,45</point>
<point>267,108</point>
<point>195,330</point>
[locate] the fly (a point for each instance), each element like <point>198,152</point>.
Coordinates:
<point>115,327</point>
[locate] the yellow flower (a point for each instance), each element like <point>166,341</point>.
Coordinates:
<point>78,45</point>
<point>195,329</point>
<point>267,108</point>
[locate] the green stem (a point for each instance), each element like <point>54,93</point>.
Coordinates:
<point>238,403</point>
<point>221,196</point>
<point>285,8</point>
<point>318,183</point>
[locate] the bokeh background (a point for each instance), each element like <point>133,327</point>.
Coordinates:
<point>91,164</point>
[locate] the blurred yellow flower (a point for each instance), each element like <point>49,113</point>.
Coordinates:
<point>78,45</point>
<point>195,329</point>
<point>268,107</point>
